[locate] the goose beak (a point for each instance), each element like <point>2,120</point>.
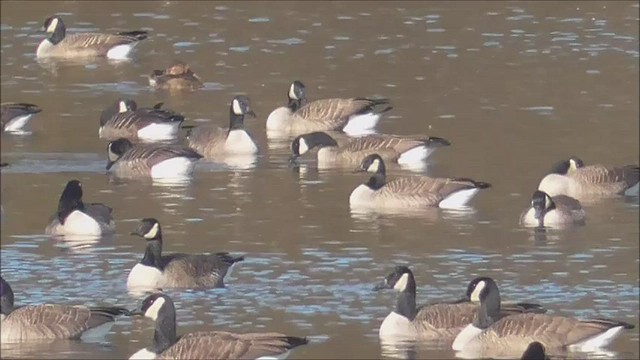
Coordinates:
<point>438,142</point>
<point>135,233</point>
<point>251,113</point>
<point>539,213</point>
<point>136,312</point>
<point>293,161</point>
<point>381,286</point>
<point>359,170</point>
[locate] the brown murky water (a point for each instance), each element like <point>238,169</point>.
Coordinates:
<point>514,86</point>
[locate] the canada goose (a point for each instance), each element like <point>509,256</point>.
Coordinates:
<point>176,270</point>
<point>535,351</point>
<point>178,76</point>
<point>15,116</point>
<point>148,124</point>
<point>436,321</point>
<point>406,150</point>
<point>573,178</point>
<point>206,344</point>
<point>411,192</point>
<point>52,321</point>
<point>77,218</point>
<point>158,161</point>
<point>61,45</point>
<point>212,141</point>
<point>354,116</point>
<point>487,335</point>
<point>552,211</point>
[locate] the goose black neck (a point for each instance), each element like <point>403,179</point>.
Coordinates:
<point>294,104</point>
<point>236,122</point>
<point>58,34</point>
<point>67,205</point>
<point>489,310</point>
<point>379,178</point>
<point>153,253</point>
<point>165,331</point>
<point>6,297</point>
<point>320,139</point>
<point>406,301</point>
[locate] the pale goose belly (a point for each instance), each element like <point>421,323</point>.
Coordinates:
<point>144,277</point>
<point>239,142</point>
<point>279,120</point>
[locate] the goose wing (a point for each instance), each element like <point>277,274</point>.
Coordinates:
<point>599,174</point>
<point>100,212</point>
<point>198,270</point>
<point>335,112</point>
<point>225,345</point>
<point>9,111</point>
<point>567,204</point>
<point>49,321</point>
<point>446,319</point>
<point>428,188</point>
<point>375,142</point>
<point>206,138</point>
<point>552,331</point>
<point>141,118</point>
<point>150,155</point>
<point>103,42</point>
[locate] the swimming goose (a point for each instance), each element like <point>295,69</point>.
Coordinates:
<point>61,45</point>
<point>510,336</point>
<point>587,182</point>
<point>207,344</point>
<point>147,124</point>
<point>176,270</point>
<point>77,218</point>
<point>52,321</point>
<point>15,116</point>
<point>411,192</point>
<point>405,150</point>
<point>212,141</point>
<point>535,351</point>
<point>354,116</point>
<point>436,321</point>
<point>178,76</point>
<point>158,161</point>
<point>552,211</point>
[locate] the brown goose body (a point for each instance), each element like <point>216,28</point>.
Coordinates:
<point>589,182</point>
<point>558,211</point>
<point>409,150</point>
<point>351,115</point>
<point>195,271</point>
<point>227,345</point>
<point>141,160</point>
<point>215,143</point>
<point>207,344</point>
<point>416,192</point>
<point>512,335</point>
<point>490,336</point>
<point>14,116</point>
<point>52,321</point>
<point>59,44</point>
<point>146,124</point>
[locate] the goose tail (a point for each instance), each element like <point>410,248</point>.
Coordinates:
<point>137,34</point>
